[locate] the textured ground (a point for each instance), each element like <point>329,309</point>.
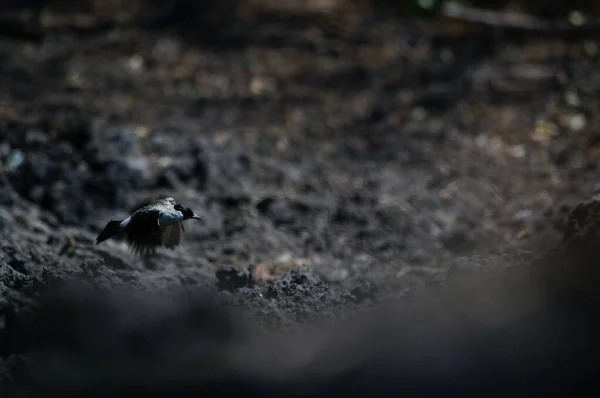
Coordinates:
<point>338,161</point>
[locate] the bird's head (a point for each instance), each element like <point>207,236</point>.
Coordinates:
<point>187,212</point>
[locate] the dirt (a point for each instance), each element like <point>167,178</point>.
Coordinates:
<point>339,161</point>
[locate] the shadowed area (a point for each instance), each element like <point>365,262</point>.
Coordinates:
<point>393,195</point>
<point>510,332</point>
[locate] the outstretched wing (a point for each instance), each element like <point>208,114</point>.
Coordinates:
<point>143,233</point>
<point>171,235</point>
<point>142,249</point>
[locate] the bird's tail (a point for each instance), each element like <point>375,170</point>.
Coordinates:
<point>111,229</point>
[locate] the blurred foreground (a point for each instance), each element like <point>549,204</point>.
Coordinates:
<point>346,157</point>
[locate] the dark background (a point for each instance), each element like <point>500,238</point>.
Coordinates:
<point>342,153</point>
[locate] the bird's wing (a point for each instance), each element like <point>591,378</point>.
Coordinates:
<point>166,202</point>
<point>143,233</point>
<point>142,249</point>
<point>156,206</point>
<point>171,235</point>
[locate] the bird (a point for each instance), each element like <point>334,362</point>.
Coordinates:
<point>159,223</point>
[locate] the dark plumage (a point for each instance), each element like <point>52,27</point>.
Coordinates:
<point>157,224</point>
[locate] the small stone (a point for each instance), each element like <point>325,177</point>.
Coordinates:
<point>419,114</point>
<point>166,49</point>
<point>4,149</point>
<point>518,151</point>
<point>367,290</point>
<point>590,47</point>
<point>544,131</point>
<point>457,241</point>
<point>16,159</point>
<point>576,18</point>
<point>141,131</point>
<point>523,215</point>
<point>577,122</point>
<point>482,141</point>
<point>337,275</point>
<point>231,278</point>
<point>258,85</point>
<point>572,99</point>
<point>135,63</point>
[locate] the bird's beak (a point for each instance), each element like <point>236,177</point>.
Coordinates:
<point>197,217</point>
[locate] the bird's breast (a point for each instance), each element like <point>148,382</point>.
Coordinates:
<point>167,218</point>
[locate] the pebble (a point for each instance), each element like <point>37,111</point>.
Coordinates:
<point>577,122</point>
<point>16,159</point>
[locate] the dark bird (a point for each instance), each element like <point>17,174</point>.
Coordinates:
<point>157,224</point>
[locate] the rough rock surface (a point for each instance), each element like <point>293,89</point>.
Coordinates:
<point>340,161</point>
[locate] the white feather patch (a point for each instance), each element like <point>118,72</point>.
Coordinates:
<point>125,222</point>
<point>170,217</point>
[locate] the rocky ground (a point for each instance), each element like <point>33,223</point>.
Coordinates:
<point>339,160</point>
